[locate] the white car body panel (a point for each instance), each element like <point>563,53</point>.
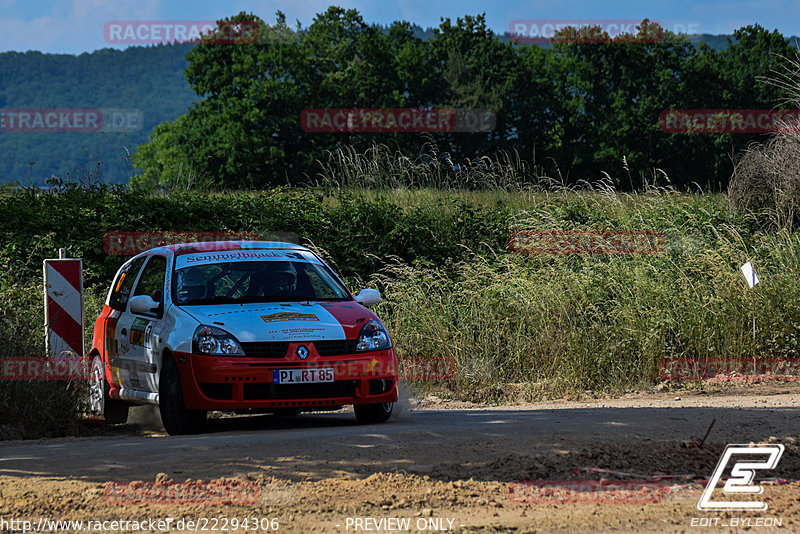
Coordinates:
<point>271,321</point>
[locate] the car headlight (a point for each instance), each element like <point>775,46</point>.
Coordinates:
<point>373,337</point>
<point>215,342</point>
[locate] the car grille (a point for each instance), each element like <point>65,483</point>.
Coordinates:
<point>338,347</point>
<point>277,349</point>
<point>265,349</point>
<point>340,388</point>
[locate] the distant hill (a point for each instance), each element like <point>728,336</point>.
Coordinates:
<point>149,79</point>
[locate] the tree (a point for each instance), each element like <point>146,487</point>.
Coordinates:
<point>246,131</point>
<point>608,97</point>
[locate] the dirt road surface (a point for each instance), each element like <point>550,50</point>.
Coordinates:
<point>436,466</point>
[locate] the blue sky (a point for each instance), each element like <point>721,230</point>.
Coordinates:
<point>76,26</point>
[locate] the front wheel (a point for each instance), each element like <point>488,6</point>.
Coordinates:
<point>174,415</point>
<point>115,411</point>
<point>367,414</point>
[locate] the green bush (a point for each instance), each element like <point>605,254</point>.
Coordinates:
<point>352,226</point>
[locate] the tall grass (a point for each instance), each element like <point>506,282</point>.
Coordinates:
<point>34,408</point>
<point>380,167</point>
<point>531,326</point>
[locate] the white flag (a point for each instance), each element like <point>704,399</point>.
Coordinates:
<point>750,274</point>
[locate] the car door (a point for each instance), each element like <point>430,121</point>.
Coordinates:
<point>136,330</point>
<point>114,345</point>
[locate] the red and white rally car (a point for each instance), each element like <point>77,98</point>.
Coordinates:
<point>238,325</point>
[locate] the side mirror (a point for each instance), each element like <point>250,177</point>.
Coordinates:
<point>368,297</point>
<point>144,305</point>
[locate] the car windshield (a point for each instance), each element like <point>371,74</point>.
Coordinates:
<point>256,281</point>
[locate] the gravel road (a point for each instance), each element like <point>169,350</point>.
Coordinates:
<point>433,459</point>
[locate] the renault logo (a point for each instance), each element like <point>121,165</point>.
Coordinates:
<point>302,352</point>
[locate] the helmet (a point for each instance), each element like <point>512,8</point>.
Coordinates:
<point>279,277</point>
<point>192,284</point>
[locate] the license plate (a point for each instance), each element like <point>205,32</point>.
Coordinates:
<point>302,376</point>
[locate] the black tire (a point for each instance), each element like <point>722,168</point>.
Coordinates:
<point>174,415</point>
<point>368,414</point>
<point>114,411</point>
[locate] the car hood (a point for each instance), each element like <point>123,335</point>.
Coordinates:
<point>282,321</point>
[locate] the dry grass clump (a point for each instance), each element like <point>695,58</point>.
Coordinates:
<point>766,177</point>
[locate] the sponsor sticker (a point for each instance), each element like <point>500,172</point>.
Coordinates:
<point>288,316</point>
<point>308,334</point>
<point>242,255</point>
<point>138,327</point>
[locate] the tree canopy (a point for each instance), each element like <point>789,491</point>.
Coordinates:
<point>579,107</point>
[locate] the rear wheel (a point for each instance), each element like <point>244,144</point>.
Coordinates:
<point>115,411</point>
<point>367,414</point>
<point>176,418</point>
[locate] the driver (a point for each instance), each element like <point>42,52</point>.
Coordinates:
<point>192,285</point>
<point>278,278</point>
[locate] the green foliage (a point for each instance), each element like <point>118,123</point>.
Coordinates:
<point>573,110</point>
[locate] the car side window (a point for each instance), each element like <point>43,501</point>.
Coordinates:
<point>121,290</point>
<point>151,282</point>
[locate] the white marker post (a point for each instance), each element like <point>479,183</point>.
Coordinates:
<point>63,305</point>
<point>751,278</point>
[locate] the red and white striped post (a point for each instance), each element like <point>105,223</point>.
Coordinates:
<point>63,305</point>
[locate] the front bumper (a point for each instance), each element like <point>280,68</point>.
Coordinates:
<point>241,382</point>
